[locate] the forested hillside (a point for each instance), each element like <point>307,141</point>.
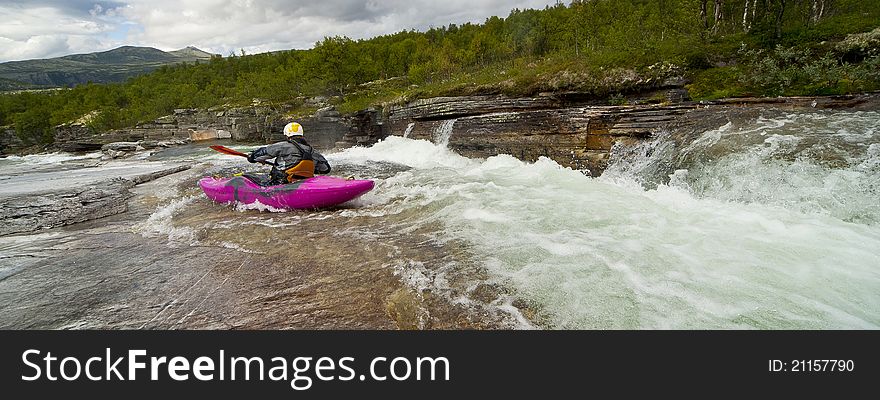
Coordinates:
<point>601,47</point>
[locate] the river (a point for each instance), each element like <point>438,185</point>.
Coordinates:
<point>770,223</point>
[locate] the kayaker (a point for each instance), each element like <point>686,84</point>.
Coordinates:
<point>294,158</point>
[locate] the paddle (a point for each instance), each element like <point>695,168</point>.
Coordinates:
<point>231,152</point>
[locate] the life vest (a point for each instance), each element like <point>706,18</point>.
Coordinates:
<point>303,169</point>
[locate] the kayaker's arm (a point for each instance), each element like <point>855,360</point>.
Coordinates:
<point>259,155</point>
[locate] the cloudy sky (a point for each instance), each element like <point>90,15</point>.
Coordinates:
<point>51,28</point>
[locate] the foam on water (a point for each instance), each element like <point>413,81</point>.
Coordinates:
<point>817,163</point>
<point>613,252</point>
<point>159,223</point>
<point>50,158</point>
<point>256,205</point>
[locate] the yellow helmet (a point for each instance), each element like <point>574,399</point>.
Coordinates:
<point>293,129</point>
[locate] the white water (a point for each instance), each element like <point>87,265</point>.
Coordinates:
<point>159,223</point>
<point>817,163</point>
<point>443,132</point>
<point>747,237</point>
<point>16,166</point>
<point>49,158</point>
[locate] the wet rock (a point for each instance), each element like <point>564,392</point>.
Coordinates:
<point>60,206</point>
<point>128,271</point>
<point>485,293</point>
<point>202,134</point>
<point>577,137</point>
<point>404,308</point>
<point>63,207</point>
<point>520,303</point>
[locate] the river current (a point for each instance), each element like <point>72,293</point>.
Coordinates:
<point>772,223</point>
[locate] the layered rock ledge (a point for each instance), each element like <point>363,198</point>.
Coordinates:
<point>251,124</point>
<point>580,137</point>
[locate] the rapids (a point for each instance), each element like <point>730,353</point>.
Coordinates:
<point>770,223</point>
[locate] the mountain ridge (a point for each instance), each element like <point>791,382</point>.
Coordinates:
<point>115,65</point>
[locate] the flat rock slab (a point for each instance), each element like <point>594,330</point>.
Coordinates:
<point>43,199</point>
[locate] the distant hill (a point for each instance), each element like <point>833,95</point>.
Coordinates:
<point>107,66</point>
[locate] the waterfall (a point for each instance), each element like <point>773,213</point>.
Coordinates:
<point>443,132</point>
<point>408,130</point>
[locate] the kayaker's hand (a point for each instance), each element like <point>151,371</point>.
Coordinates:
<point>250,157</point>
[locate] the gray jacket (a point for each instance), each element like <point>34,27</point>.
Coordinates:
<point>288,154</point>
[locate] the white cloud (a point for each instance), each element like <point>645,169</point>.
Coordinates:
<point>34,47</point>
<point>46,28</point>
<point>45,32</point>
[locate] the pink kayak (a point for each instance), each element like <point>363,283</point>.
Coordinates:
<point>317,192</point>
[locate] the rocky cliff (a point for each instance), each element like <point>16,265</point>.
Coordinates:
<point>579,137</point>
<point>567,129</point>
<point>251,124</point>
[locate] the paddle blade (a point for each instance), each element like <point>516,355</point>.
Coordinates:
<point>226,150</point>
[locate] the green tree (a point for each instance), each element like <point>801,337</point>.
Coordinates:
<point>32,126</point>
